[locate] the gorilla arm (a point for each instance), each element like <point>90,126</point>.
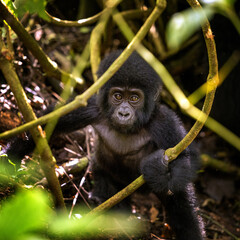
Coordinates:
<point>172,182</point>
<point>79,118</point>
<point>166,131</point>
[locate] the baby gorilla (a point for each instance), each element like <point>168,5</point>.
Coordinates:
<point>134,130</point>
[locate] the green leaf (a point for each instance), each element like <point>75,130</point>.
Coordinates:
<point>183,24</point>
<point>24,213</point>
<point>93,226</point>
<point>31,6</point>
<point>10,5</point>
<point>7,167</point>
<point>221,3</point>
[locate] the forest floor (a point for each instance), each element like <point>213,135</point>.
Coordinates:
<point>218,193</point>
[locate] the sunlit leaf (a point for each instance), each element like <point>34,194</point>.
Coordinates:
<point>222,3</point>
<point>31,6</point>
<point>98,225</point>
<point>9,4</point>
<point>7,167</point>
<point>183,24</point>
<point>24,213</point>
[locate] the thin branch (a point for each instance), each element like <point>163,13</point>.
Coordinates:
<point>224,167</point>
<point>96,38</point>
<point>68,89</point>
<point>81,100</point>
<point>232,15</point>
<point>47,160</point>
<point>212,82</point>
<point>49,67</point>
<point>118,197</point>
<point>220,225</point>
<point>129,14</point>
<point>99,30</point>
<point>79,23</point>
<point>225,70</point>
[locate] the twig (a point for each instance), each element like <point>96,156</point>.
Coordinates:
<point>118,197</point>
<point>129,14</point>
<point>96,37</point>
<point>220,225</point>
<point>47,160</point>
<point>79,23</point>
<point>232,15</point>
<point>225,70</point>
<point>212,82</point>
<point>224,167</point>
<point>49,67</point>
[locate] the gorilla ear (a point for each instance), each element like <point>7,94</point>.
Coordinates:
<point>157,94</point>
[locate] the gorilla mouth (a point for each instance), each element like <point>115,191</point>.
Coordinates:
<point>124,126</point>
<point>123,122</point>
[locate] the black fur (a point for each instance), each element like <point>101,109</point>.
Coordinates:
<point>121,156</point>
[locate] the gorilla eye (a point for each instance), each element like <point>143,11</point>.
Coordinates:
<point>118,96</point>
<point>134,98</point>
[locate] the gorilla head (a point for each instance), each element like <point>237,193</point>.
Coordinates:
<point>129,97</point>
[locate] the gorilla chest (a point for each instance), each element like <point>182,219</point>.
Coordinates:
<point>119,144</point>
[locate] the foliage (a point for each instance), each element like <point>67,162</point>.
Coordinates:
<point>28,216</point>
<point>20,7</point>
<point>180,27</point>
<point>6,165</point>
<point>10,5</point>
<point>221,3</point>
<point>184,24</point>
<point>23,214</point>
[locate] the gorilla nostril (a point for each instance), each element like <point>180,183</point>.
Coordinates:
<point>124,114</point>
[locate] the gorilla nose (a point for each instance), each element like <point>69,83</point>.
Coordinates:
<point>124,114</point>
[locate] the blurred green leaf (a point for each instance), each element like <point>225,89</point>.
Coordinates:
<point>31,6</point>
<point>183,24</point>
<point>7,167</point>
<point>10,5</point>
<point>103,225</point>
<point>28,214</point>
<point>24,213</point>
<point>222,3</point>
